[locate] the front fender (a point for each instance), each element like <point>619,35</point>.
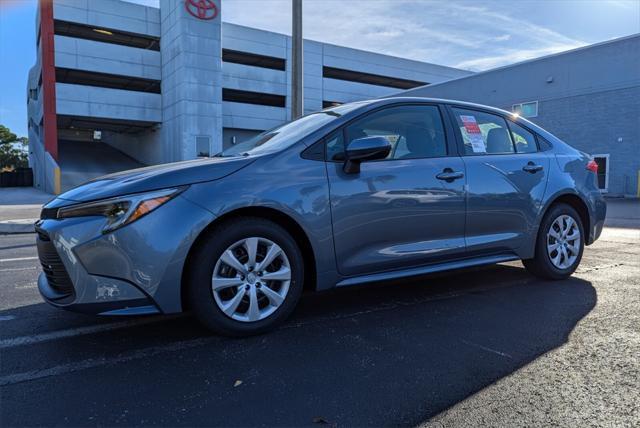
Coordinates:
<point>302,195</point>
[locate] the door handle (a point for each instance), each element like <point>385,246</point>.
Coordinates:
<point>532,168</point>
<point>449,175</point>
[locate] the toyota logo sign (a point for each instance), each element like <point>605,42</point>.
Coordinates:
<point>201,9</point>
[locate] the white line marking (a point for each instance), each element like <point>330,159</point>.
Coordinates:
<point>484,348</point>
<point>98,362</point>
<point>17,269</point>
<point>79,331</point>
<point>18,259</point>
<point>26,286</point>
<point>7,317</point>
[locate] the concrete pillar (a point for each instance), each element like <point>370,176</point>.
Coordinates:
<point>191,49</point>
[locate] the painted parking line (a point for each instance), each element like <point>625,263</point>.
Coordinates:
<point>27,286</point>
<point>78,331</point>
<point>101,362</point>
<point>18,259</point>
<point>18,269</point>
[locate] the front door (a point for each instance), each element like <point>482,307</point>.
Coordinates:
<point>403,211</point>
<point>506,179</point>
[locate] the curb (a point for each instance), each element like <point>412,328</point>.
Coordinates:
<point>24,225</point>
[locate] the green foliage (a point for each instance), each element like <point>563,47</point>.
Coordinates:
<point>13,150</point>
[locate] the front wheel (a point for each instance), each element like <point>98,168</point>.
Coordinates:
<point>559,244</point>
<point>246,277</point>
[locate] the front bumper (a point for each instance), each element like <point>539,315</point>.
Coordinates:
<point>134,270</point>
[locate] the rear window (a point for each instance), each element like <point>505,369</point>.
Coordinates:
<point>524,140</point>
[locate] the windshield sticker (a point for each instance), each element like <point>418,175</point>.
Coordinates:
<point>475,135</point>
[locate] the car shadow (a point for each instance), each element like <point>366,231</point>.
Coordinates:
<point>396,353</point>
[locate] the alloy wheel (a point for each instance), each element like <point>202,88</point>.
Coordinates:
<point>563,242</point>
<point>251,279</point>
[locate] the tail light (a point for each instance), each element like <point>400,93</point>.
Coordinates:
<point>592,166</point>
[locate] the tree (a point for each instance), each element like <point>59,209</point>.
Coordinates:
<point>13,150</point>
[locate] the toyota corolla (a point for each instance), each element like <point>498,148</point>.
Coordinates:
<point>362,192</point>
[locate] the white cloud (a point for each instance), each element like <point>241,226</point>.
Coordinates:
<point>510,57</point>
<point>458,34</point>
<point>467,34</point>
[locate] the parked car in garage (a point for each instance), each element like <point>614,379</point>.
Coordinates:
<point>362,192</point>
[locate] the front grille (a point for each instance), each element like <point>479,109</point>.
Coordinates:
<point>53,267</point>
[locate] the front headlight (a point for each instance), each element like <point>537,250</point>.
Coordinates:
<point>121,210</point>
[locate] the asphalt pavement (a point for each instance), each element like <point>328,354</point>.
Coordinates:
<point>491,346</point>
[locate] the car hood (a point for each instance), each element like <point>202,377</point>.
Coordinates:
<point>156,177</point>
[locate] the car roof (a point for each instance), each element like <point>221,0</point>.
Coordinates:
<point>379,102</point>
<point>400,100</point>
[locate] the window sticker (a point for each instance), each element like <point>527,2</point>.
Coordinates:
<point>475,135</point>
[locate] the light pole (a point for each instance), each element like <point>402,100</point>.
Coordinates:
<point>297,86</point>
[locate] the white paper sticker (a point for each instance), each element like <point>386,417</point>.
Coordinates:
<point>474,133</point>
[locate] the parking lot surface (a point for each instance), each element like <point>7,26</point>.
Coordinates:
<point>491,346</point>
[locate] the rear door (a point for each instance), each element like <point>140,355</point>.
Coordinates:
<point>506,179</point>
<point>403,211</point>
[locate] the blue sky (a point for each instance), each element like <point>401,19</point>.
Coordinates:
<point>475,35</point>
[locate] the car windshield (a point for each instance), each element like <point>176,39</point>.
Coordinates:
<point>283,136</point>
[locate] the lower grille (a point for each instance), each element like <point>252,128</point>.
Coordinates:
<point>53,267</point>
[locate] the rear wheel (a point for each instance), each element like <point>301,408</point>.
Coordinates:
<point>559,244</point>
<point>246,277</point>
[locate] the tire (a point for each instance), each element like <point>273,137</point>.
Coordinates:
<point>555,265</point>
<point>240,290</point>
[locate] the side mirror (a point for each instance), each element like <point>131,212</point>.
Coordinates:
<point>363,150</point>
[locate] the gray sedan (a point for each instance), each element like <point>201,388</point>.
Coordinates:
<point>358,193</point>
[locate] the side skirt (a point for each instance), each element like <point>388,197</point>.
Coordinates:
<point>422,270</point>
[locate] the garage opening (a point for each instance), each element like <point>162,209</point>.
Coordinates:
<point>90,147</point>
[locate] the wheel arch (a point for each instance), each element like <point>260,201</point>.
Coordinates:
<point>272,214</point>
<point>577,203</point>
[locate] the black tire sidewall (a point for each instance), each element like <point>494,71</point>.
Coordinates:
<point>200,295</point>
<point>543,261</point>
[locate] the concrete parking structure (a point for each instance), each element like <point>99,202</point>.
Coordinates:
<point>152,85</point>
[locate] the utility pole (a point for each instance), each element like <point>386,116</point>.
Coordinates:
<point>297,85</point>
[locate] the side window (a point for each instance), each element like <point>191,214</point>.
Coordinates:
<point>483,133</point>
<point>524,140</point>
<point>413,131</point>
<point>335,146</point>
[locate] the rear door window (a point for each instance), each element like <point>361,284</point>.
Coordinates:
<point>483,133</point>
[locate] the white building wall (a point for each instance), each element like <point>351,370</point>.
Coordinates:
<point>316,88</point>
<point>107,58</point>
<point>120,15</point>
<point>91,101</point>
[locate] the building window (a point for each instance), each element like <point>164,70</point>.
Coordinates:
<point>529,109</point>
<point>603,171</point>
<point>259,98</point>
<point>106,35</point>
<point>105,80</point>
<point>369,78</point>
<point>252,59</point>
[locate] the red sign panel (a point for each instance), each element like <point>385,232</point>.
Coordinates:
<point>470,124</point>
<point>201,9</point>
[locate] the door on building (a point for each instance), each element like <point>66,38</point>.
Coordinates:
<point>603,171</point>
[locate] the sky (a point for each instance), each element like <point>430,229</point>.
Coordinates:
<point>475,35</point>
